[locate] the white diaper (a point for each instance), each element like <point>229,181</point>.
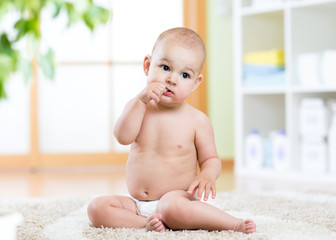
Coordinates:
<point>145,208</point>
<point>148,208</point>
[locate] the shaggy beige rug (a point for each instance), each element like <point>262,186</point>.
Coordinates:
<point>278,215</point>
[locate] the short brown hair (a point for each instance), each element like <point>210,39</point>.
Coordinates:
<point>185,36</point>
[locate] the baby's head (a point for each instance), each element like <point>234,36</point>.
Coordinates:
<point>186,38</point>
<point>176,62</point>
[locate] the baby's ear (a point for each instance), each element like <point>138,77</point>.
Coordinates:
<point>197,82</point>
<point>146,64</point>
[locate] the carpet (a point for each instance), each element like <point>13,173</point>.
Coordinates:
<point>278,215</point>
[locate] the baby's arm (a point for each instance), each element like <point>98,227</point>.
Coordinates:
<point>210,164</point>
<point>129,123</point>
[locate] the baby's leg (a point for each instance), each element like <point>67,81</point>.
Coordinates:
<point>179,210</point>
<point>115,212</point>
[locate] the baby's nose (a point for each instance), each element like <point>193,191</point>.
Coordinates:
<point>171,80</point>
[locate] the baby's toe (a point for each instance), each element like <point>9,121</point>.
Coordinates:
<point>160,228</point>
<point>157,224</point>
<point>250,226</point>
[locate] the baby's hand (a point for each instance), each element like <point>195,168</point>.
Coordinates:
<point>153,91</point>
<point>205,184</point>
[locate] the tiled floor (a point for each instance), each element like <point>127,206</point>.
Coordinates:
<point>91,181</point>
<point>77,182</point>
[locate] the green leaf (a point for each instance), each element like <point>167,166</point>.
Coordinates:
<point>25,26</point>
<point>31,6</point>
<point>47,64</point>
<point>20,26</point>
<point>5,71</point>
<point>34,26</point>
<point>6,66</point>
<point>95,15</point>
<point>4,7</point>
<point>72,15</point>
<point>57,8</point>
<point>2,90</point>
<point>28,25</point>
<point>25,68</point>
<point>8,60</point>
<point>4,42</point>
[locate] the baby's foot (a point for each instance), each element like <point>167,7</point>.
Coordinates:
<point>154,223</point>
<point>245,226</point>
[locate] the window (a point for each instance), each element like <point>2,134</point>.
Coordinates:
<point>69,120</point>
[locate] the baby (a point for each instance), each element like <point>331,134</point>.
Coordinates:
<point>168,137</point>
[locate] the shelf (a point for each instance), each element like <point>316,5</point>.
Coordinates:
<point>317,89</point>
<point>277,7</point>
<point>302,29</point>
<point>292,176</point>
<point>264,90</point>
<point>309,3</point>
<point>248,11</point>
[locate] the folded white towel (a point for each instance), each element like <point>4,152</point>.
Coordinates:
<point>328,67</point>
<point>308,69</point>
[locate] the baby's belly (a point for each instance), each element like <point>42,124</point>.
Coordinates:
<point>153,181</point>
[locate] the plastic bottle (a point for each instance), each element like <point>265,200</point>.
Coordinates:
<point>314,155</point>
<point>313,117</point>
<point>254,150</point>
<point>268,160</point>
<point>332,139</point>
<point>280,151</point>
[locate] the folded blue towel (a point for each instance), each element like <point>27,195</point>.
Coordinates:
<point>276,79</point>
<point>261,70</point>
<point>263,75</point>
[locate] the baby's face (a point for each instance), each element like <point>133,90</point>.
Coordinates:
<point>177,67</point>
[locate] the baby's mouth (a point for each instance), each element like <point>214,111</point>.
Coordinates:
<point>168,92</point>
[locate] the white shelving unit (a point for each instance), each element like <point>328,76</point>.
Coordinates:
<point>298,27</point>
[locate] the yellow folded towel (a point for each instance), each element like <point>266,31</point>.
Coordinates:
<point>271,57</point>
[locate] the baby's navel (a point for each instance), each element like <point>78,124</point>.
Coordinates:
<point>179,146</point>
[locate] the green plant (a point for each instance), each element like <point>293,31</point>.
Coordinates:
<point>27,28</point>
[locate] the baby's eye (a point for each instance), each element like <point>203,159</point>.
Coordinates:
<point>185,75</point>
<point>165,68</point>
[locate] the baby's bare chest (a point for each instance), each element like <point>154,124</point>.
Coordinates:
<point>167,131</point>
